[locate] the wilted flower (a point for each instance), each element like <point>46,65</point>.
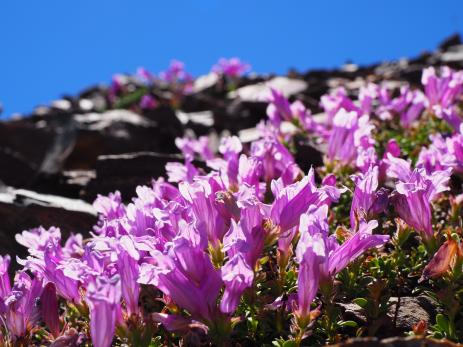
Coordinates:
<point>444,259</point>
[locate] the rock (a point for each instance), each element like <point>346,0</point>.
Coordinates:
<point>239,115</point>
<point>308,154</point>
<point>450,41</point>
<point>23,148</point>
<point>22,209</point>
<point>412,310</point>
<point>124,172</point>
<point>117,132</point>
<point>205,82</point>
<point>248,135</point>
<point>200,122</point>
<point>261,91</point>
<point>395,342</point>
<point>353,312</point>
<point>454,54</point>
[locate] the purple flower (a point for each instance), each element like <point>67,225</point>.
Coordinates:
<point>128,270</point>
<point>22,309</point>
<point>56,271</point>
<point>367,201</point>
<point>49,308</point>
<point>53,267</point>
<point>307,282</point>
<point>110,207</point>
<point>247,236</point>
<point>232,67</point>
<point>350,132</point>
<point>275,159</point>
<point>190,147</point>
<point>367,95</point>
<point>293,200</point>
<point>148,102</point>
<point>177,78</point>
<point>103,299</point>
<point>320,257</point>
<point>414,194</point>
<point>279,108</point>
<point>450,114</point>
<point>237,276</point>
<point>408,105</point>
<point>443,90</point>
<point>146,76</point>
<point>397,167</point>
<point>207,220</point>
<point>355,246</point>
<point>437,156</point>
<point>37,240</point>
<point>185,273</point>
<point>5,285</point>
<point>117,84</point>
<point>336,101</point>
<point>228,166</point>
<point>443,153</point>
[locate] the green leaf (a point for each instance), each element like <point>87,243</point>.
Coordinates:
<point>442,322</point>
<point>290,343</point>
<point>362,302</point>
<point>278,342</point>
<point>130,99</point>
<point>347,323</point>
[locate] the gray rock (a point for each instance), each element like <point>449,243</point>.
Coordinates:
<point>412,310</point>
<point>261,91</point>
<point>22,209</point>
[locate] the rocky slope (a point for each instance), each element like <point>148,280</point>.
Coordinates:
<point>56,160</point>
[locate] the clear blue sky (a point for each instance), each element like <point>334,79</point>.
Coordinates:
<point>52,47</point>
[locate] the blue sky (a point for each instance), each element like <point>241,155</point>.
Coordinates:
<point>55,47</point>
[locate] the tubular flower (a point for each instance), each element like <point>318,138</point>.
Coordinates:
<point>414,193</point>
<point>293,200</point>
<point>320,255</point>
<point>368,201</point>
<point>22,311</point>
<point>237,276</point>
<point>350,132</point>
<point>103,299</point>
<point>185,273</point>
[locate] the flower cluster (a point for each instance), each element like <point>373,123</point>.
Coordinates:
<point>248,236</point>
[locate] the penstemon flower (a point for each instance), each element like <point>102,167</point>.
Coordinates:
<point>103,296</point>
<point>320,257</point>
<point>414,193</point>
<point>367,201</point>
<point>231,68</point>
<point>238,229</point>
